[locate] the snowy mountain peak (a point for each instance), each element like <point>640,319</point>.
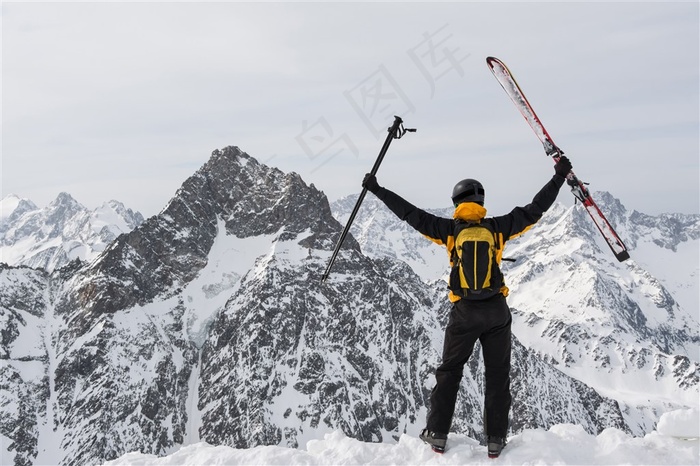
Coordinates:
<point>65,201</point>
<point>14,205</point>
<point>8,205</point>
<point>255,199</point>
<point>63,231</point>
<point>609,203</point>
<point>231,195</point>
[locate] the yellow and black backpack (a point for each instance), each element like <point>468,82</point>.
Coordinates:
<point>475,272</point>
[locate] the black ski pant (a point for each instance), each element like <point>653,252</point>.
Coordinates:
<point>488,321</point>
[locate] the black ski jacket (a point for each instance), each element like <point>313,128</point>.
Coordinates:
<point>506,227</point>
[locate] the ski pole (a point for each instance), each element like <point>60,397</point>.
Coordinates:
<point>396,131</point>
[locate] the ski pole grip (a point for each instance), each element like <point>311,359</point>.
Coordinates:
<point>393,130</point>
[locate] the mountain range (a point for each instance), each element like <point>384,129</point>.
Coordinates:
<point>209,322</point>
<point>65,230</point>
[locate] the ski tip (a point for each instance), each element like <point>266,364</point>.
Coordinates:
<point>491,60</point>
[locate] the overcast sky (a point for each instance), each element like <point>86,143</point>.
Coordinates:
<point>126,100</point>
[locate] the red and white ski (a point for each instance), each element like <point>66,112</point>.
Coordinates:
<point>578,188</point>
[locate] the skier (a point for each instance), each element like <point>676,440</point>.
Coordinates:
<point>478,314</point>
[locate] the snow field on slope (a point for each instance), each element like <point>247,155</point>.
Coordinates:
<point>230,259</point>
<point>562,444</point>
<point>680,277</point>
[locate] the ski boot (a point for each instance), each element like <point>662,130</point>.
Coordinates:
<point>495,446</point>
<point>436,441</point>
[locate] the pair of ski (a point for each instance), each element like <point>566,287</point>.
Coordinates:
<point>578,187</point>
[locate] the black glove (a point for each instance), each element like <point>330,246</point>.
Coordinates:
<point>563,166</point>
<point>370,182</point>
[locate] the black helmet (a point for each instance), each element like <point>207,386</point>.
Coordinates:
<point>468,190</point>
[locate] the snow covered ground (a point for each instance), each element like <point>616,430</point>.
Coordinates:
<point>675,442</point>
